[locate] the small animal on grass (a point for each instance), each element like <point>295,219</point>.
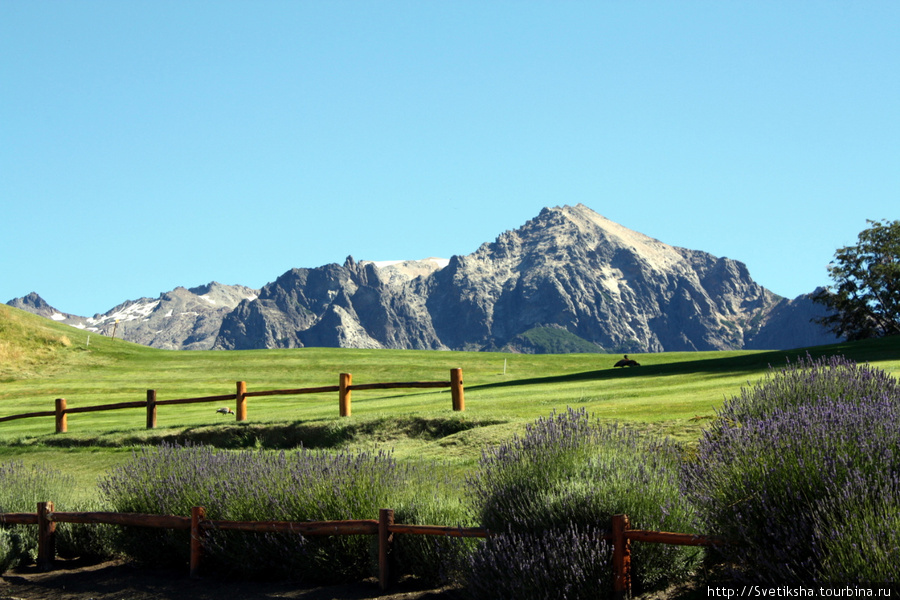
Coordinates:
<point>225,410</point>
<point>627,362</point>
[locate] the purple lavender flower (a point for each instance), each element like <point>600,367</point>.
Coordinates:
<point>567,471</point>
<point>804,458</point>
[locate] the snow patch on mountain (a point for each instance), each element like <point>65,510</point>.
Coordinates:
<point>132,312</point>
<point>398,271</point>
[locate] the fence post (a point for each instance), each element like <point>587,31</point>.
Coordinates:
<point>46,537</point>
<point>240,410</point>
<point>621,557</point>
<point>385,540</point>
<point>346,381</point>
<point>456,389</point>
<point>198,513</point>
<point>151,409</point>
<point>62,424</point>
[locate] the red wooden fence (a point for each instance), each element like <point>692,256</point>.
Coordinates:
<point>344,389</point>
<point>384,527</point>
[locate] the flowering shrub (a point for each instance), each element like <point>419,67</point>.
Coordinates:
<point>860,537</point>
<point>794,467</point>
<point>21,488</point>
<point>570,474</point>
<point>432,501</point>
<point>248,485</point>
<point>87,540</point>
<point>571,562</point>
<point>808,381</point>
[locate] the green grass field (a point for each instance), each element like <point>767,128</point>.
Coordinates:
<point>40,360</point>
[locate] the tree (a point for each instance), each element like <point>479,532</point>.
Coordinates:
<point>865,300</point>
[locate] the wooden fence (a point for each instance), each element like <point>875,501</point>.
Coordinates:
<point>384,527</point>
<point>344,388</point>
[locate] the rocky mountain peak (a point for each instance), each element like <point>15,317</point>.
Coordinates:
<point>567,279</point>
<point>31,302</point>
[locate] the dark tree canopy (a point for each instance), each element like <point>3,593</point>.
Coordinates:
<point>865,297</point>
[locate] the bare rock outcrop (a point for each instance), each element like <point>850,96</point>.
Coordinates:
<point>568,269</point>
<point>567,280</point>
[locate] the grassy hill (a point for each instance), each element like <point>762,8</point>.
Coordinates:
<point>40,360</point>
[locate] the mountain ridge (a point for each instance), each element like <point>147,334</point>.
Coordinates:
<point>569,276</point>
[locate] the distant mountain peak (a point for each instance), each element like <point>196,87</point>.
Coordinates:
<point>569,279</point>
<point>32,300</point>
<point>33,303</point>
<point>585,226</point>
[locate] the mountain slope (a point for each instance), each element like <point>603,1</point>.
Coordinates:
<point>351,305</point>
<point>569,268</point>
<point>182,319</point>
<point>567,280</point>
<point>609,285</point>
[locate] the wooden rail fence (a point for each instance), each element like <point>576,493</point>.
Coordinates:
<point>344,389</point>
<point>384,527</point>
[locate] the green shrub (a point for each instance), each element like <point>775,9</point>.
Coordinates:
<point>21,489</point>
<point>570,474</point>
<point>860,538</point>
<point>570,563</point>
<point>87,540</point>
<point>432,501</point>
<point>259,486</point>
<point>800,472</point>
<point>13,550</point>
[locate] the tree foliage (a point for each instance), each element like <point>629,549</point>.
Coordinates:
<point>865,300</point>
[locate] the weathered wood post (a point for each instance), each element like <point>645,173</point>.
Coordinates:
<point>198,514</point>
<point>46,537</point>
<point>385,540</point>
<point>240,410</point>
<point>151,409</point>
<point>456,389</point>
<point>344,384</point>
<point>62,424</point>
<point>621,557</point>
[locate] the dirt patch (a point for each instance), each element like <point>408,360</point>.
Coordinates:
<point>118,580</point>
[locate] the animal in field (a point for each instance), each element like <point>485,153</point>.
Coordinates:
<point>627,362</point>
<point>225,410</point>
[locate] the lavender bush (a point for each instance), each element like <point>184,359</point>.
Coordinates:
<point>87,540</point>
<point>432,501</point>
<point>860,537</point>
<point>800,468</point>
<point>13,550</point>
<point>568,472</point>
<point>568,563</point>
<point>808,381</point>
<point>296,486</point>
<point>21,488</point>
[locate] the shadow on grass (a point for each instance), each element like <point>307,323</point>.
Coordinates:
<point>865,351</point>
<point>277,436</point>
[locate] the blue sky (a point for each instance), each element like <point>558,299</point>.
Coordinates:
<point>147,145</point>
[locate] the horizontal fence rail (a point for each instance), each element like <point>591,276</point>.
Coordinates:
<point>344,389</point>
<point>621,534</point>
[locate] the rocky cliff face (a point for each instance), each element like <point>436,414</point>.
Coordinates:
<point>787,325</point>
<point>569,279</point>
<point>619,289</point>
<point>183,319</point>
<point>354,305</point>
<point>568,269</point>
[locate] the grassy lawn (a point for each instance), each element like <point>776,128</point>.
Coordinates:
<point>671,393</point>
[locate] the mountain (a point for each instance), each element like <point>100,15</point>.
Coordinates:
<point>354,305</point>
<point>182,319</point>
<point>568,280</point>
<point>37,305</point>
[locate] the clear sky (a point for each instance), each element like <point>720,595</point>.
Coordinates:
<point>150,144</point>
